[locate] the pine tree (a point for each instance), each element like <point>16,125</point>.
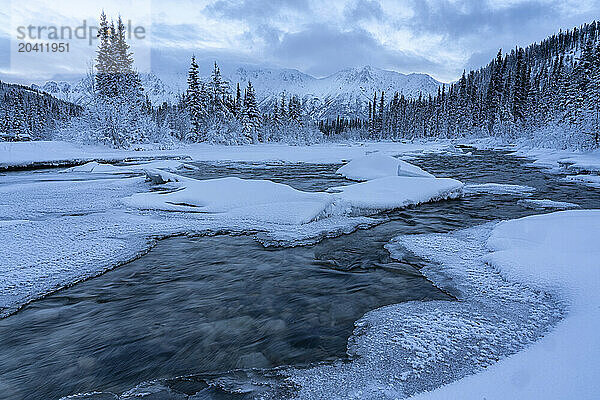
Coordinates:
<point>519,96</point>
<point>104,58</point>
<point>251,120</point>
<point>194,102</point>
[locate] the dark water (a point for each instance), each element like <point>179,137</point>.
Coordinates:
<point>212,304</point>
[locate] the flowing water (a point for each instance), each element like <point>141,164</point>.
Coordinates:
<point>196,305</point>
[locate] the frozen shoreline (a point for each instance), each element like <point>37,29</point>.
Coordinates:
<point>556,253</point>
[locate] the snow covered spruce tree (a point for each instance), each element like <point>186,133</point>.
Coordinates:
<point>214,115</point>
<point>196,104</point>
<point>118,113</point>
<point>251,118</point>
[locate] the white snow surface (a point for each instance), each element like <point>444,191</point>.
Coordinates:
<point>103,168</point>
<point>98,168</point>
<point>555,252</point>
<point>256,199</point>
<point>264,200</point>
<point>393,192</point>
<point>26,154</point>
<point>378,165</point>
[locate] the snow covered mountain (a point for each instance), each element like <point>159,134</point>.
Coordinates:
<point>344,93</point>
<point>78,92</point>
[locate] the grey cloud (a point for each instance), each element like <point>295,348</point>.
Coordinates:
<point>363,9</point>
<point>471,17</point>
<point>322,50</point>
<point>251,9</point>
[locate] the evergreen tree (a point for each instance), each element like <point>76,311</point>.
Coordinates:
<point>251,120</point>
<point>194,102</point>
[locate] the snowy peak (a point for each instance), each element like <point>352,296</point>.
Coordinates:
<point>369,79</point>
<point>344,93</point>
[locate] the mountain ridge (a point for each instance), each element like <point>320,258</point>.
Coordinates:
<point>344,93</point>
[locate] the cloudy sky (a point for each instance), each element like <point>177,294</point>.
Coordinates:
<point>438,37</point>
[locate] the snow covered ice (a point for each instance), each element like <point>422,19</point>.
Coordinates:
<point>261,200</point>
<point>546,204</point>
<point>378,165</point>
<point>397,191</point>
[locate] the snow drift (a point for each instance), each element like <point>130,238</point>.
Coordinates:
<point>377,165</point>
<point>243,198</point>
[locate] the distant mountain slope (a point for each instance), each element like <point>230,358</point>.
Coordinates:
<point>345,93</point>
<point>27,113</point>
<point>78,92</point>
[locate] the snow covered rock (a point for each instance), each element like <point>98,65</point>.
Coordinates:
<point>377,165</point>
<point>394,192</point>
<point>239,198</point>
<point>159,177</point>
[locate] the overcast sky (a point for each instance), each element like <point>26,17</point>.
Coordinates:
<point>438,37</point>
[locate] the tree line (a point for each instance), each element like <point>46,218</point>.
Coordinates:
<point>548,91</point>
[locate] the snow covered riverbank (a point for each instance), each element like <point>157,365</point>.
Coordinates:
<point>64,227</point>
<point>31,154</point>
<point>557,253</point>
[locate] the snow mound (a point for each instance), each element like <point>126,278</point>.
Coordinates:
<point>587,162</point>
<point>499,188</point>
<point>588,180</point>
<point>394,192</point>
<point>546,204</point>
<point>240,198</point>
<point>264,200</point>
<point>377,165</point>
<point>550,250</point>
<point>160,177</point>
